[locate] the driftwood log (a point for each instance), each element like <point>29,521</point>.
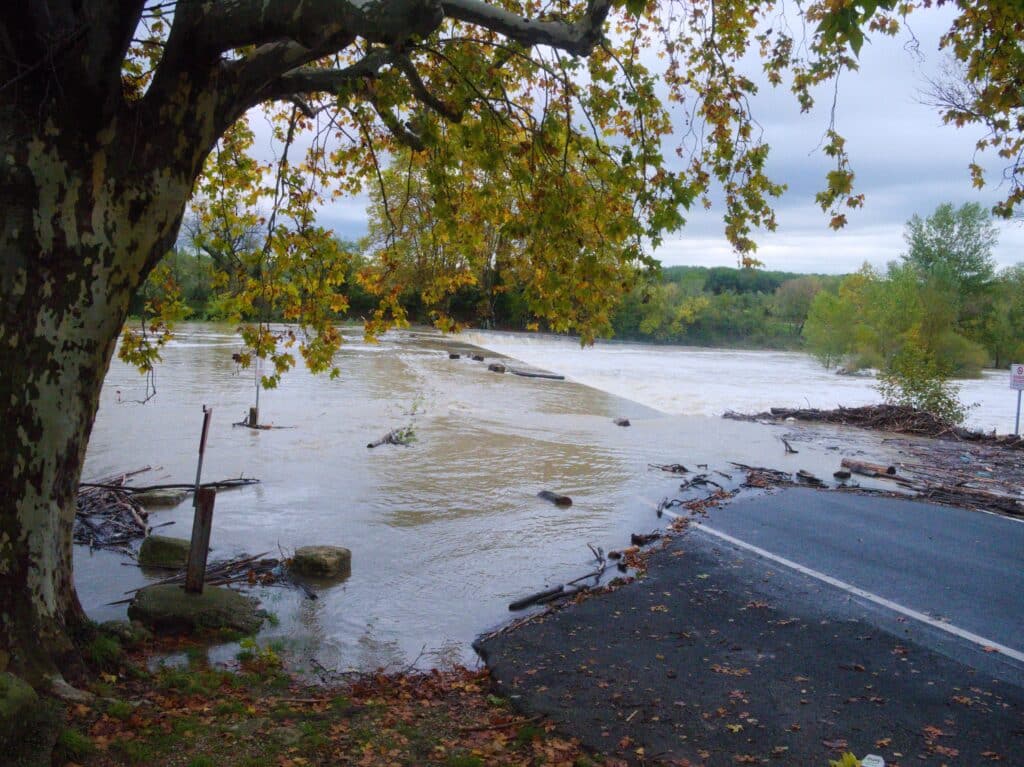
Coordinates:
<point>555,498</point>
<point>868,469</point>
<point>565,590</point>
<point>534,374</point>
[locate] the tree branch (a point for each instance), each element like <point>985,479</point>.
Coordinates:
<point>578,38</point>
<point>228,25</point>
<point>315,80</point>
<point>419,88</point>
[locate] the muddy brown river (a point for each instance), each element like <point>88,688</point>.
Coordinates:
<point>444,533</point>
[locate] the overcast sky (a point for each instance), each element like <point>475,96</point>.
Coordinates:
<point>906,161</point>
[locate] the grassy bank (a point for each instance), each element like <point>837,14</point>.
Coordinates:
<point>255,714</point>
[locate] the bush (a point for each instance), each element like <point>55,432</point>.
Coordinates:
<point>914,379</point>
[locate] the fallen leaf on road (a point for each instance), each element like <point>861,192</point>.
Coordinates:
<point>839,744</point>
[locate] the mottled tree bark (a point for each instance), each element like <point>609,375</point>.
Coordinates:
<point>79,228</point>
<point>94,178</point>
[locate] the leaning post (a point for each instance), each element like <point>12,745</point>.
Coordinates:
<point>202,524</point>
<point>207,413</point>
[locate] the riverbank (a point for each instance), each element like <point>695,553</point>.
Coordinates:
<point>253,714</point>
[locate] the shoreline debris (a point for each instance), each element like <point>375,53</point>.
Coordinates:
<point>108,514</point>
<point>256,570</point>
<point>898,418</point>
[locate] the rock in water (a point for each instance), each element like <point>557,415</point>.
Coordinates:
<point>322,561</point>
<point>477,358</point>
<point>128,633</point>
<point>496,367</point>
<point>152,499</point>
<point>164,551</point>
<point>169,608</point>
<point>621,422</point>
<point>453,356</point>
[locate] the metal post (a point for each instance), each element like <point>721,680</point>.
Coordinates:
<point>207,412</point>
<point>1016,426</point>
<point>202,524</point>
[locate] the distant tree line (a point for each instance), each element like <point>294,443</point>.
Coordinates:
<point>943,298</point>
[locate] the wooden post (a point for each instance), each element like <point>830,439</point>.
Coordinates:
<point>207,412</point>
<point>254,416</point>
<point>202,524</point>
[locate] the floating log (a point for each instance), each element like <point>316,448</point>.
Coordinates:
<point>454,356</point>
<point>555,498</point>
<point>621,422</point>
<point>533,374</point>
<point>224,484</point>
<point>868,469</point>
<point>533,599</point>
<point>477,358</point>
<point>842,475</point>
<point>789,447</point>
<point>496,367</point>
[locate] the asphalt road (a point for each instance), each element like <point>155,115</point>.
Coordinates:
<point>963,568</point>
<point>879,633</point>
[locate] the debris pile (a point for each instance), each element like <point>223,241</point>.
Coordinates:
<point>256,570</point>
<point>106,515</point>
<point>899,418</point>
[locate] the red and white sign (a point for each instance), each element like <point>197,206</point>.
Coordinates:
<point>1017,375</point>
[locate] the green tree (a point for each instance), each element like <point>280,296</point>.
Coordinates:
<point>793,300</point>
<point>110,113</point>
<point>916,380</point>
<point>954,245</point>
<point>829,331</point>
<point>1003,330</point>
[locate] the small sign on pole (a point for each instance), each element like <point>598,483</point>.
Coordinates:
<point>1017,382</point>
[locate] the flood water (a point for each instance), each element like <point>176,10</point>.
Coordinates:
<point>446,532</point>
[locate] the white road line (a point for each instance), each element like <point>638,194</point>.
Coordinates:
<point>910,613</point>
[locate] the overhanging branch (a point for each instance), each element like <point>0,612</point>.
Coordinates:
<point>578,38</point>
<point>419,88</point>
<point>317,80</point>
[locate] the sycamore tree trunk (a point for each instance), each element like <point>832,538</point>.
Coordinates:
<point>81,223</point>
